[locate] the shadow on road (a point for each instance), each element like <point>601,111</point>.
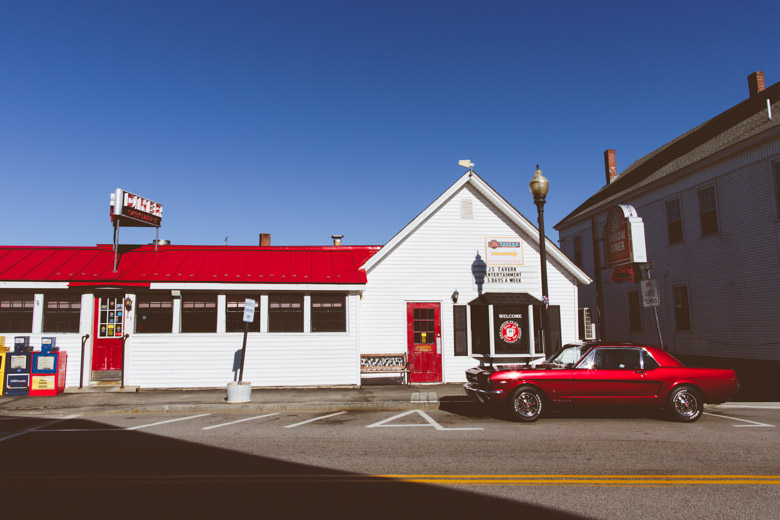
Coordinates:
<point>131,474</point>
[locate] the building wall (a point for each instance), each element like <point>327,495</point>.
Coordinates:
<point>733,277</point>
<point>435,260</point>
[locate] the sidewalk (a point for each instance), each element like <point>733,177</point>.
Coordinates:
<point>367,397</point>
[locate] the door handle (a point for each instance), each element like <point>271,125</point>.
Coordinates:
<point>639,371</point>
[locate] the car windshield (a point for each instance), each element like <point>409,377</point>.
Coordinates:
<point>567,356</point>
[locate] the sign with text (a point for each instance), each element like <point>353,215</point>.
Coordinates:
<point>249,310</point>
<point>624,237</point>
<point>650,295</point>
<point>503,251</point>
<point>134,211</point>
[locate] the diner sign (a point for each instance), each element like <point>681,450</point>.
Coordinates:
<point>624,237</point>
<point>135,211</point>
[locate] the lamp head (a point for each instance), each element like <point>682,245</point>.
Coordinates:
<point>539,184</point>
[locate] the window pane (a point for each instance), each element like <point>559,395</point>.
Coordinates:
<point>682,316</point>
<point>61,312</point>
<point>634,312</point>
<point>154,313</point>
<point>674,221</point>
<point>16,312</point>
<point>285,313</point>
<point>328,313</point>
<point>234,316</point>
<point>708,213</point>
<point>199,313</point>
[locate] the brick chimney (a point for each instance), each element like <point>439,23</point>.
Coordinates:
<point>756,83</point>
<point>265,239</point>
<point>610,166</point>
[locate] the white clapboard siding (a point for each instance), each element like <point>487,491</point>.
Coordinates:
<point>436,259</point>
<point>733,277</point>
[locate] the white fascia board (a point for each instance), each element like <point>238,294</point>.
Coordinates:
<point>524,224</point>
<point>262,287</point>
<point>33,285</point>
<point>414,224</point>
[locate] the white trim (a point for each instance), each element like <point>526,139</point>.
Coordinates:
<point>34,285</point>
<point>261,287</point>
<point>499,203</point>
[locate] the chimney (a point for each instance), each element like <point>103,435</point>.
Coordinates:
<point>610,166</point>
<point>337,239</point>
<point>265,239</point>
<point>756,83</point>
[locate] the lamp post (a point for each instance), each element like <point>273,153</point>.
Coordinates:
<point>539,187</point>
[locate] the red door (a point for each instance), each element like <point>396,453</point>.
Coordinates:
<point>109,326</point>
<point>423,328</point>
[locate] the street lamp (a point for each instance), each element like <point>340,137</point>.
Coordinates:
<point>539,187</point>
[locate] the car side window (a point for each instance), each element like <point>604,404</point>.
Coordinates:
<point>588,363</point>
<point>649,362</point>
<point>618,359</point>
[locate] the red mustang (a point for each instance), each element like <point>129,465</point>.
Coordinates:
<point>601,374</point>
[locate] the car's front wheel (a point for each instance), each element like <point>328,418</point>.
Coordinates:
<point>685,404</point>
<point>526,404</point>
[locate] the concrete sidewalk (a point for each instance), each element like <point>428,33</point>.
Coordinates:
<point>367,397</point>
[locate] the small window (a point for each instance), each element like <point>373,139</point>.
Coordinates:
<point>328,313</point>
<point>285,313</point>
<point>153,313</point>
<point>61,312</point>
<point>682,312</point>
<point>234,313</point>
<point>674,230</point>
<point>199,313</point>
<point>634,312</point>
<point>708,211</point>
<point>16,312</point>
<point>461,330</point>
<point>776,167</point>
<point>578,251</point>
<point>618,359</point>
<point>649,362</point>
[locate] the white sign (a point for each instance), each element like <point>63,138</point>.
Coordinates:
<point>503,251</point>
<point>249,310</point>
<point>650,295</point>
<point>502,274</point>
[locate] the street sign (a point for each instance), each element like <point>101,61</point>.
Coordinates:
<point>249,310</point>
<point>650,295</point>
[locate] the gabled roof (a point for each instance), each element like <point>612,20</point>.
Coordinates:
<point>142,265</point>
<point>471,178</point>
<point>740,122</point>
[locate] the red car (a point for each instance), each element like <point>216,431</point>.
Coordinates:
<point>602,374</point>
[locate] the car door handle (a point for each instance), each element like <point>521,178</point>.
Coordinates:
<point>639,371</point>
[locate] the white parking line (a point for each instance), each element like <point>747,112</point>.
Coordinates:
<point>315,419</point>
<point>55,421</point>
<point>428,418</point>
<point>238,421</point>
<point>168,421</point>
<point>753,424</point>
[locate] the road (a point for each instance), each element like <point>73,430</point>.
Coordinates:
<point>456,461</point>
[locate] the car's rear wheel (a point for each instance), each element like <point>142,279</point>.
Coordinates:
<point>526,404</point>
<point>685,404</point>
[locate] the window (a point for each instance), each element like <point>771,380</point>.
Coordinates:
<point>461,332</point>
<point>634,312</point>
<point>199,313</point>
<point>234,313</point>
<point>328,313</point>
<point>61,312</point>
<point>708,211</point>
<point>16,312</point>
<point>578,251</point>
<point>285,313</point>
<point>154,313</point>
<point>674,229</point>
<point>682,312</point>
<point>618,359</point>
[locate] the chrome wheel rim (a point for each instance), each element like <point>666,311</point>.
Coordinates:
<point>528,404</point>
<point>685,404</point>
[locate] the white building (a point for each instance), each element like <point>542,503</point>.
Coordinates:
<point>710,202</point>
<point>171,316</point>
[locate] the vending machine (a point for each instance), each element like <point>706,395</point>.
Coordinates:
<point>3,351</point>
<point>17,371</point>
<point>48,369</point>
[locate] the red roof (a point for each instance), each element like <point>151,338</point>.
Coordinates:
<point>220,264</point>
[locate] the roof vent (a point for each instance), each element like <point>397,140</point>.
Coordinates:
<point>160,242</point>
<point>337,239</point>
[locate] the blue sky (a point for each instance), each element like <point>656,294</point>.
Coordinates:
<point>305,119</point>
